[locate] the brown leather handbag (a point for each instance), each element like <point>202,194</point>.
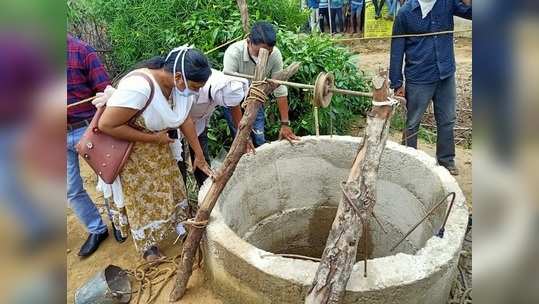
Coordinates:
<point>105,154</point>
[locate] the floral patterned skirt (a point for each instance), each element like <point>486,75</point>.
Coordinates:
<point>154,194</point>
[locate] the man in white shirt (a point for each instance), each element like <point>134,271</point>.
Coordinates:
<point>220,90</point>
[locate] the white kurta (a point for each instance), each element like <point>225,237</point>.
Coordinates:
<point>133,92</point>
<point>219,90</point>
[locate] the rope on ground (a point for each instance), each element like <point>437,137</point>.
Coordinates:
<point>404,35</point>
<point>152,273</point>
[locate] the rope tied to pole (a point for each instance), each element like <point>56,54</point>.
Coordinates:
<point>196,224</point>
<point>193,223</point>
<point>256,93</point>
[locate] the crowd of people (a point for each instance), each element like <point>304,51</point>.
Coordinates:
<point>347,16</point>
<point>176,95</point>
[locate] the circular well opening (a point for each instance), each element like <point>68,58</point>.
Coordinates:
<point>285,202</point>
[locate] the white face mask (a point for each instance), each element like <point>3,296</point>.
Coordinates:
<point>177,94</point>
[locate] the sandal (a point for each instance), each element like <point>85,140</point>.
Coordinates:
<point>153,254</point>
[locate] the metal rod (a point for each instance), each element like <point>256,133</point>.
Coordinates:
<point>316,125</point>
<point>349,92</point>
<point>441,232</point>
<point>365,249</point>
<point>425,217</point>
<point>303,86</point>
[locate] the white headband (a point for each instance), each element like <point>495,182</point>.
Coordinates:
<point>182,50</point>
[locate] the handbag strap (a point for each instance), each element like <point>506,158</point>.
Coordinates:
<point>152,89</point>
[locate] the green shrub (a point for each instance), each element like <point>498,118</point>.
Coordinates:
<point>316,54</point>
<point>139,29</point>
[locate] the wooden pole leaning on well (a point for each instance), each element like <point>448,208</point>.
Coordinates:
<point>252,104</point>
<point>355,208</point>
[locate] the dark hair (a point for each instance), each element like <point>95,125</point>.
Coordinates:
<point>263,32</point>
<point>196,65</point>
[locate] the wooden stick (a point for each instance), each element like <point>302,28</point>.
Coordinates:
<point>303,86</point>
<point>329,284</point>
<point>69,106</point>
<point>229,165</point>
<point>224,44</point>
<point>405,35</point>
<point>244,11</point>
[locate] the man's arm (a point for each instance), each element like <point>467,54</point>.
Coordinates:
<point>98,79</point>
<point>236,118</point>
<point>236,115</point>
<point>231,61</point>
<point>398,46</point>
<point>281,93</point>
<point>463,9</point>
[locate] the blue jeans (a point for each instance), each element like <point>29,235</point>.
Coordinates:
<point>392,7</point>
<point>79,201</point>
<point>257,134</point>
<point>443,94</point>
<point>337,20</point>
<point>14,197</point>
<point>357,13</point>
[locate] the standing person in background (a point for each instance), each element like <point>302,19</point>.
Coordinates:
<point>313,18</point>
<point>347,17</point>
<point>323,10</point>
<point>393,7</point>
<point>337,17</point>
<point>429,70</point>
<point>86,76</point>
<point>378,6</point>
<point>356,7</point>
<point>242,57</point>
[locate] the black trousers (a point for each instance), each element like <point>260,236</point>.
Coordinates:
<point>337,22</point>
<point>324,18</point>
<point>378,5</point>
<point>199,175</point>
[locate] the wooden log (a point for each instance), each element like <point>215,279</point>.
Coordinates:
<point>244,11</point>
<point>355,208</point>
<point>230,162</point>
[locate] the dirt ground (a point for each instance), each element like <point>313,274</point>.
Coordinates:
<point>123,255</point>
<point>373,55</point>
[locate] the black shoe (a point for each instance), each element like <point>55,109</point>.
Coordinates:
<point>92,243</point>
<point>452,169</point>
<point>118,235</point>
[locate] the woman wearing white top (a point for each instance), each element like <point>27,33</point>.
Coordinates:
<point>220,90</point>
<point>150,181</point>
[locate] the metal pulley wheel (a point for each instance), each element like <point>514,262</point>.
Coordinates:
<point>322,89</point>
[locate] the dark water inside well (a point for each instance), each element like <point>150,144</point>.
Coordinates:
<point>304,231</point>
